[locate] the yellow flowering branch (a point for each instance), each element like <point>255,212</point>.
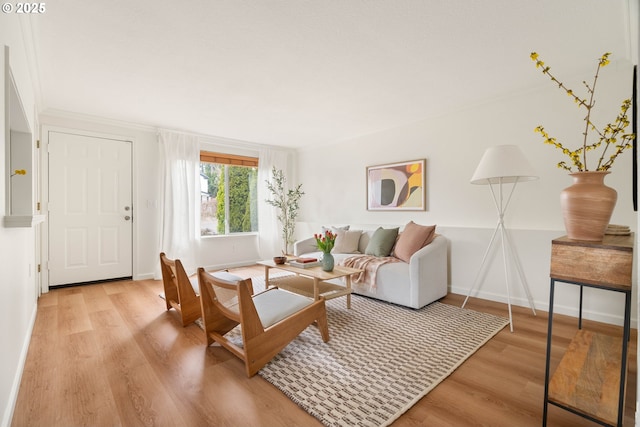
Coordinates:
<point>609,135</point>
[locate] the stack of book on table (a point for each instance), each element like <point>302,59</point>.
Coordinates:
<point>618,230</point>
<point>304,262</point>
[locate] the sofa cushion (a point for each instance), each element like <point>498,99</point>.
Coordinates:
<point>347,242</point>
<point>382,242</point>
<point>413,238</point>
<point>364,240</point>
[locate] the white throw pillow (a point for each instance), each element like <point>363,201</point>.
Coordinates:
<point>347,242</point>
<point>334,229</point>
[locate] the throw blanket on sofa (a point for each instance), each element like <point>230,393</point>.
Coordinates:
<point>369,265</point>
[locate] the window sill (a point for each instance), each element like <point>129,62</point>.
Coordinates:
<point>17,221</point>
<point>218,236</point>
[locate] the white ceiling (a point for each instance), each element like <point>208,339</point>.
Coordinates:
<point>303,72</point>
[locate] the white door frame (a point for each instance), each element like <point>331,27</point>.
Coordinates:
<point>44,175</point>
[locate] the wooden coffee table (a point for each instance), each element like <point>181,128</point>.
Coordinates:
<point>311,281</point>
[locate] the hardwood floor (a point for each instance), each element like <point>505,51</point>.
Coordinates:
<point>111,355</point>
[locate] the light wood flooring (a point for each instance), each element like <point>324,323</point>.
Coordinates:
<point>111,355</point>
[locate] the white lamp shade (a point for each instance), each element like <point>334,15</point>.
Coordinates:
<point>503,164</point>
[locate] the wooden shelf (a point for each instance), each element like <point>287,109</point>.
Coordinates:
<point>304,286</point>
<point>590,380</point>
<point>587,380</point>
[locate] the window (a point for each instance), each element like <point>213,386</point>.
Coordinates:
<point>228,194</point>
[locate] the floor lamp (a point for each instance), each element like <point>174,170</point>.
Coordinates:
<point>503,164</point>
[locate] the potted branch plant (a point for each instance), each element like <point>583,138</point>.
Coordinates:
<point>287,203</point>
<point>587,205</point>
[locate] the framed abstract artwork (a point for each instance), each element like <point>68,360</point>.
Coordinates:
<point>397,186</point>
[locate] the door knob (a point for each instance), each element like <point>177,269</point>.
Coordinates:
<point>127,218</point>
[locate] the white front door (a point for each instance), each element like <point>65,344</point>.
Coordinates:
<point>90,209</point>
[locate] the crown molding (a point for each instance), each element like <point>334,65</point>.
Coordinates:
<point>70,115</point>
<point>209,139</point>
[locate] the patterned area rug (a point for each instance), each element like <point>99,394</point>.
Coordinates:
<point>381,358</point>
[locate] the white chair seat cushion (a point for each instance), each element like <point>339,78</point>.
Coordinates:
<point>275,304</point>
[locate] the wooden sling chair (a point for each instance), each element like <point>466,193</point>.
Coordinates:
<point>180,292</point>
<point>269,320</point>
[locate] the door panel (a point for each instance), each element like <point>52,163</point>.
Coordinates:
<point>90,224</point>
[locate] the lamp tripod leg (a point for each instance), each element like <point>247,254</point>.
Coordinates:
<point>505,247</point>
<point>523,280</point>
<point>484,260</point>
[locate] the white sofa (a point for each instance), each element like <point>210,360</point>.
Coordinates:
<point>414,284</point>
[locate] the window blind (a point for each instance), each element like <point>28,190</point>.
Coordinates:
<point>228,159</point>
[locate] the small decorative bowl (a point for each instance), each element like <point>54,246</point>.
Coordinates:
<point>279,259</point>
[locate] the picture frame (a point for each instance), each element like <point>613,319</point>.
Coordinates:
<point>397,186</point>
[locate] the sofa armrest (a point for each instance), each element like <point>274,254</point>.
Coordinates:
<point>428,271</point>
<point>304,246</point>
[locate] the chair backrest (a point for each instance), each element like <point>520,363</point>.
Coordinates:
<point>169,277</point>
<point>227,296</point>
<point>178,289</point>
<point>174,273</point>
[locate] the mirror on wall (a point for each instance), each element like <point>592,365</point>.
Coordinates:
<point>20,173</point>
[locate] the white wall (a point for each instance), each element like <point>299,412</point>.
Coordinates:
<point>18,288</point>
<point>333,178</point>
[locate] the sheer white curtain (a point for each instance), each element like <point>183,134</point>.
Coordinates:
<point>270,241</point>
<point>180,204</point>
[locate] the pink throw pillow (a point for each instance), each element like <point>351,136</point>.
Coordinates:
<point>413,238</point>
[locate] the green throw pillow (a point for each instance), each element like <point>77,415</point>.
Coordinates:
<point>382,242</point>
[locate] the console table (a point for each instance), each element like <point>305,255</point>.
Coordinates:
<point>591,378</point>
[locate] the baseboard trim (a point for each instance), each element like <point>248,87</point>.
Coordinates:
<point>15,388</point>
<point>215,267</point>
<point>544,306</point>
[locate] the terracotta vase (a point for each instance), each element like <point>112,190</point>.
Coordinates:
<point>587,206</point>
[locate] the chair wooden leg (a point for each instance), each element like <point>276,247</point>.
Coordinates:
<point>323,324</point>
<point>190,312</point>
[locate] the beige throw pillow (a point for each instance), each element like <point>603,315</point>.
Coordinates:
<point>347,242</point>
<point>413,238</point>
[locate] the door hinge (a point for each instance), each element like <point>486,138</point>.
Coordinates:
<point>38,206</point>
<point>37,143</point>
<point>39,268</point>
